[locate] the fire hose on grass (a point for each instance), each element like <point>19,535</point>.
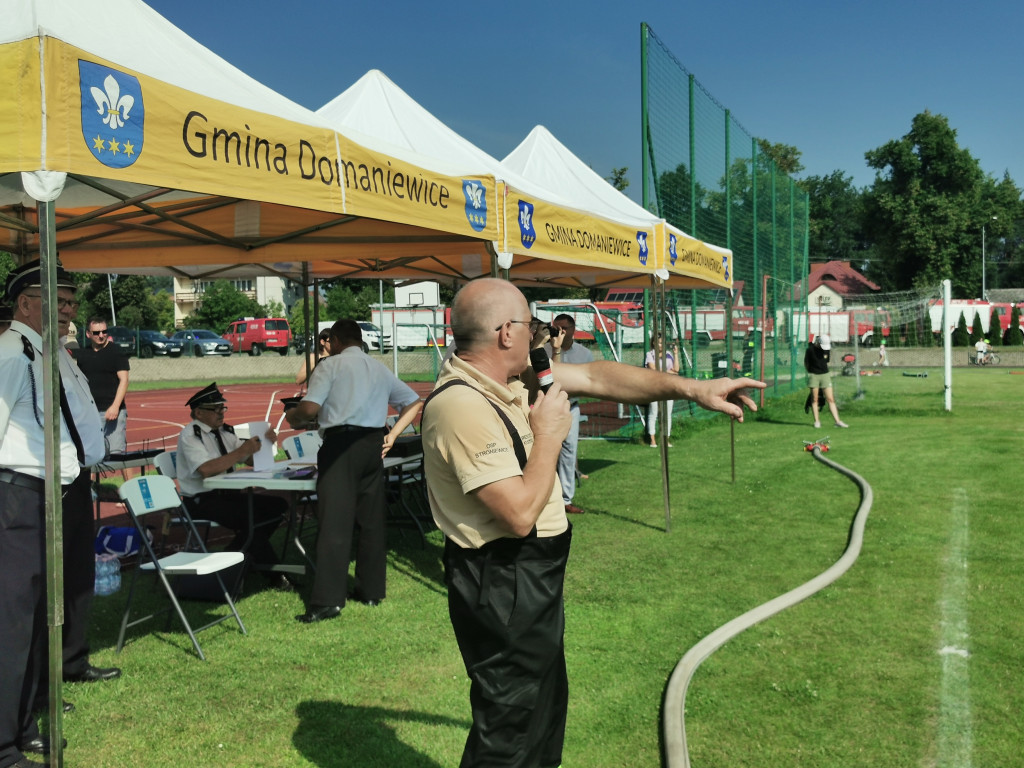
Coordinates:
<point>673,713</point>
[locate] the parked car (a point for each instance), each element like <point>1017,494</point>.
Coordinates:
<point>155,343</point>
<point>201,342</point>
<point>255,334</point>
<point>372,336</point>
<point>123,337</point>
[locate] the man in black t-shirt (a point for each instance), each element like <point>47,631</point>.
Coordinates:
<point>106,367</point>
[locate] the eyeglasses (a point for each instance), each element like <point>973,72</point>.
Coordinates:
<point>98,333</point>
<point>213,408</point>
<point>534,323</point>
<point>61,303</point>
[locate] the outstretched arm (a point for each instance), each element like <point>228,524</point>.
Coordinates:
<point>621,383</point>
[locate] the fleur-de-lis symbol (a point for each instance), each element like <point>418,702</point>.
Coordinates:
<point>475,193</point>
<point>110,103</point>
<point>641,239</point>
<point>725,266</point>
<point>524,217</point>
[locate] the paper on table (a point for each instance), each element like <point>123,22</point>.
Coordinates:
<point>263,459</point>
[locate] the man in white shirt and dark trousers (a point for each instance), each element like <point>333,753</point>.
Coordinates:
<point>349,394</point>
<point>563,349</point>
<point>22,528</point>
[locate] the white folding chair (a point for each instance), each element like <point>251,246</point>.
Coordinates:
<point>304,446</point>
<point>156,493</point>
<point>166,463</point>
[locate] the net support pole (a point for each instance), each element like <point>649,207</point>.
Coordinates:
<point>947,347</point>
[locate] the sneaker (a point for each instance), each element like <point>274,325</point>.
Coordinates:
<point>817,425</point>
<point>842,425</point>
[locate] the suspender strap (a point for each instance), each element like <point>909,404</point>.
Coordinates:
<point>517,441</point>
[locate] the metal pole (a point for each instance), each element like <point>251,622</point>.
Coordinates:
<point>982,262</point>
<point>113,315</point>
<point>947,346</point>
<point>52,486</point>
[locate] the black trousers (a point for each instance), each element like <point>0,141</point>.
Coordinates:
<point>350,493</point>
<point>231,509</point>
<point>79,572</point>
<point>506,606</point>
<point>22,615</point>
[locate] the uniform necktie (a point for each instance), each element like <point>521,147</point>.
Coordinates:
<point>220,444</point>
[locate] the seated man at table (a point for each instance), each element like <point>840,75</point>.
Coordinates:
<point>207,447</point>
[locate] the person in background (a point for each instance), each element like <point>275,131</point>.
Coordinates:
<point>563,349</point>
<point>882,359</point>
<point>23,666</point>
<point>490,464</point>
<point>208,447</point>
<point>349,396</point>
<point>323,351</point>
<point>982,348</point>
<point>106,367</point>
<point>670,360</point>
<point>819,378</point>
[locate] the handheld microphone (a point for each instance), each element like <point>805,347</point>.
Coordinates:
<point>542,367</point>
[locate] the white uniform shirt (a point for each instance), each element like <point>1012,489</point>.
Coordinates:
<point>354,389</point>
<point>194,450</point>
<point>22,443</point>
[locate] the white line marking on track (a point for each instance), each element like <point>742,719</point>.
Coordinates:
<point>955,737</point>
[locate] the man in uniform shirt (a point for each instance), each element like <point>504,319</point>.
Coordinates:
<point>22,513</point>
<point>349,396</point>
<point>490,462</point>
<point>106,367</point>
<point>207,447</point>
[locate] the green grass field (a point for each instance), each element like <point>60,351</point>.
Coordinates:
<point>853,676</point>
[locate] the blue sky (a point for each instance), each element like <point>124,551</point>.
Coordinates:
<point>833,79</point>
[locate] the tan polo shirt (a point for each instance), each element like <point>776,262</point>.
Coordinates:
<point>467,446</point>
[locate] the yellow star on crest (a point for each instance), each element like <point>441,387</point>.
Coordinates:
<point>114,146</point>
<point>97,143</point>
<point>129,148</point>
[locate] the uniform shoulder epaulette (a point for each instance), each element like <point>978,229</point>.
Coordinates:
<point>198,430</point>
<point>228,428</point>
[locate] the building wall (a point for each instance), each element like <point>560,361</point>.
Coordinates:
<point>264,289</point>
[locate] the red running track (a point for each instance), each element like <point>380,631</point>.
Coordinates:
<point>156,417</point>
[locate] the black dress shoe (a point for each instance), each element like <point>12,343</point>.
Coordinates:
<point>92,674</point>
<point>319,613</point>
<point>40,745</point>
<point>68,707</point>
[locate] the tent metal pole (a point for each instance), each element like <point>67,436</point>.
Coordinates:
<point>52,485</point>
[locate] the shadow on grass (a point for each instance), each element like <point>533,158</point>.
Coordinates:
<point>335,735</point>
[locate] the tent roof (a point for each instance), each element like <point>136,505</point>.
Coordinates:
<point>169,211</point>
<point>545,159</point>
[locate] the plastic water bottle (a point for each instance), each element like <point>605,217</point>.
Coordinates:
<point>108,575</point>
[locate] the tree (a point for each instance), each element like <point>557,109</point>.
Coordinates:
<point>133,301</point>
<point>925,209</point>
<point>961,336</point>
<point>1013,336</point>
<point>995,328</point>
<point>835,218</point>
<point>618,178</point>
<point>785,156</point>
<point>222,304</point>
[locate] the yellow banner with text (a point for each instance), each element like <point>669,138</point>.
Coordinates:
<point>543,230</point>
